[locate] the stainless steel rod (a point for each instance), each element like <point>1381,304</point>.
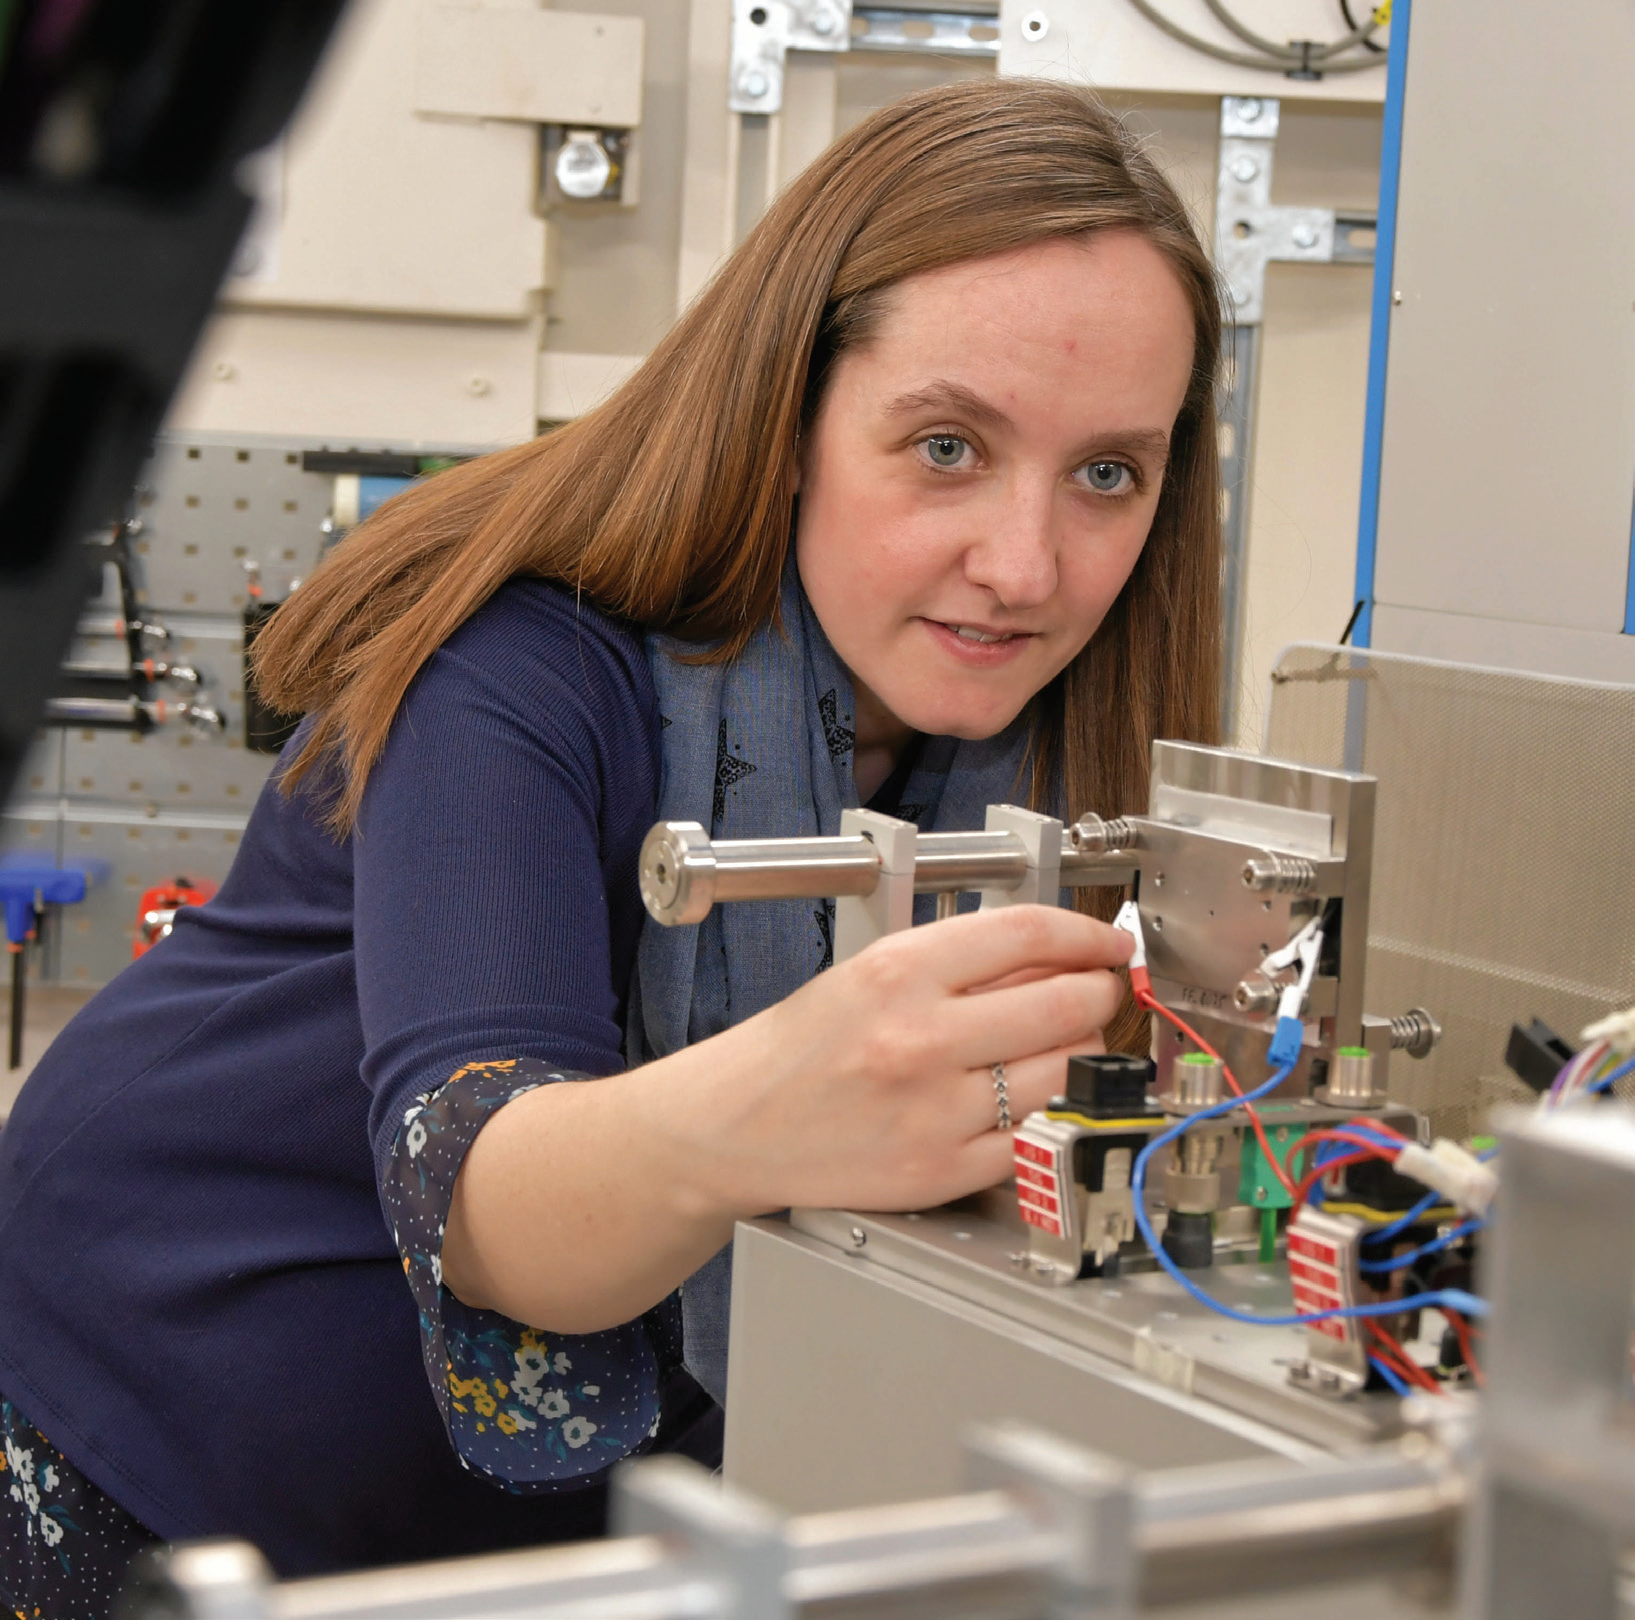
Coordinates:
<point>793,868</point>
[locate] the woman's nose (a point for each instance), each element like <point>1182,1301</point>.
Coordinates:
<point>1016,557</point>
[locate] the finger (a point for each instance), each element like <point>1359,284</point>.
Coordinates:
<point>967,952</point>
<point>1027,1020</point>
<point>1030,1084</point>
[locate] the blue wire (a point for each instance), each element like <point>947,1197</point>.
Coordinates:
<point>1395,1380</point>
<point>1608,1081</point>
<point>1455,1298</point>
<point>1411,1218</point>
<point>1398,1261</point>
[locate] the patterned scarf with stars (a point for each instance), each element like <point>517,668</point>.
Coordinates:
<point>762,748</point>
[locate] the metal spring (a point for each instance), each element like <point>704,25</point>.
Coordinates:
<point>1095,836</point>
<point>1282,874</point>
<point>1415,1032</point>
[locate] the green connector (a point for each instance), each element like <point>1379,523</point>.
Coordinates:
<point>1258,1185</point>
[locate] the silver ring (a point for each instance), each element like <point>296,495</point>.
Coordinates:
<point>1002,1096</point>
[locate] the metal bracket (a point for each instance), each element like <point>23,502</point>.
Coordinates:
<point>860,919</point>
<point>1042,838</point>
<point>1086,1498</point>
<point>1249,231</point>
<point>763,34</point>
<point>733,1542</point>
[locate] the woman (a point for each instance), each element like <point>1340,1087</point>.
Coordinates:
<point>966,365</point>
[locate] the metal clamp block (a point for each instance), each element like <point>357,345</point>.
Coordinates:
<point>732,1542</point>
<point>1086,1498</point>
<point>1042,838</point>
<point>860,919</point>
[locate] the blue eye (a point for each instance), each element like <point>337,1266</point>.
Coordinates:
<point>1108,477</point>
<point>944,449</point>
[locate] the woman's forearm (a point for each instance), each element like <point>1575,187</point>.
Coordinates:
<point>579,1205</point>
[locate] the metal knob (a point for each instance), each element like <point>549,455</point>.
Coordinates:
<point>677,871</point>
<point>1351,1077</point>
<point>1198,1079</point>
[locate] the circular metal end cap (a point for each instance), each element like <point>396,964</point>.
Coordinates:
<point>677,873</point>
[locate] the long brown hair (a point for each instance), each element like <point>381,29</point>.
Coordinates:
<point>671,503</point>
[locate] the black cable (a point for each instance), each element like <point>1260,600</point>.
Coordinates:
<point>1351,23</point>
<point>1351,623</point>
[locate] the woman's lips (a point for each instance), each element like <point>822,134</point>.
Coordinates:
<point>976,653</point>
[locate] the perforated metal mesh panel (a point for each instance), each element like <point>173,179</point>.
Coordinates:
<point>1504,854</point>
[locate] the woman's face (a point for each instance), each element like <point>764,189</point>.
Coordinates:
<point>983,472</point>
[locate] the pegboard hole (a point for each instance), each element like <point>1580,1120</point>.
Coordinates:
<point>190,550</point>
<point>192,452</point>
<point>192,500</point>
<point>241,505</point>
<point>292,506</point>
<point>243,455</point>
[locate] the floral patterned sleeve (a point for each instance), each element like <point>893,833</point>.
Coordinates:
<point>532,1411</point>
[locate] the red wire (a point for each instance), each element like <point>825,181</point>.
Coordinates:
<point>1461,1329</point>
<point>1398,1359</point>
<point>1151,1002</point>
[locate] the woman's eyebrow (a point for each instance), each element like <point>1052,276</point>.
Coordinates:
<point>948,396</point>
<point>1153,442</point>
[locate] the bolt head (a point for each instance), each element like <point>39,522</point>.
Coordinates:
<point>1250,109</point>
<point>1304,236</point>
<point>756,85</point>
<point>823,24</point>
<point>1245,169</point>
<point>1260,1195</point>
<point>859,1237</point>
<point>1240,295</point>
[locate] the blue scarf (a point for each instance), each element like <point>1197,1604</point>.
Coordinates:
<point>761,747</point>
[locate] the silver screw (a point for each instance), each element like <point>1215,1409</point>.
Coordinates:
<point>823,23</point>
<point>1396,297</point>
<point>756,85</point>
<point>859,1237</point>
<point>1249,109</point>
<point>1245,169</point>
<point>1304,236</point>
<point>1240,294</point>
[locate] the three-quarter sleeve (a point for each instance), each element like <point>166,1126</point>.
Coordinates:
<point>495,918</point>
<point>526,1408</point>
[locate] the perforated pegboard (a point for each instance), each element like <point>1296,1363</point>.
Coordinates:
<point>175,801</point>
<point>1504,853</point>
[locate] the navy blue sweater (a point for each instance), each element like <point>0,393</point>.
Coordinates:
<point>200,1301</point>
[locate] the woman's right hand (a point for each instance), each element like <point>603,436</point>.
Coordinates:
<point>872,1086</point>
<point>580,1206</point>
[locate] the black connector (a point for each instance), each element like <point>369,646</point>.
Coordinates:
<point>1536,1055</point>
<point>1109,1085</point>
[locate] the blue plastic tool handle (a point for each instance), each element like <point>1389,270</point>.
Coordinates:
<point>26,878</point>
